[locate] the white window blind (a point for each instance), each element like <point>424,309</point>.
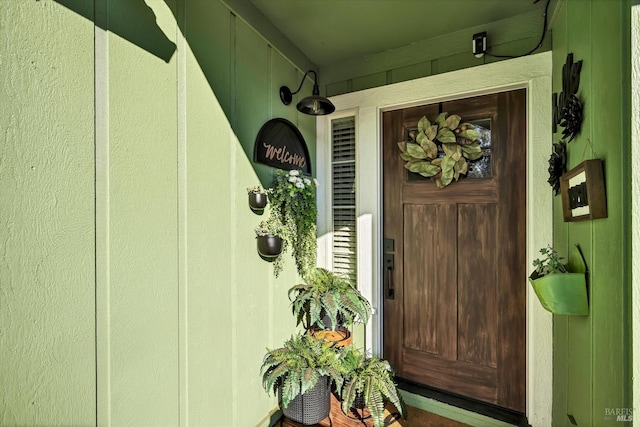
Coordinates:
<point>343,205</point>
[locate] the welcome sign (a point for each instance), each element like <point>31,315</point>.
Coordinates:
<point>280,144</point>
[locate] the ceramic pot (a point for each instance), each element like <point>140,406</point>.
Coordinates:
<point>269,246</point>
<point>339,338</point>
<point>257,201</point>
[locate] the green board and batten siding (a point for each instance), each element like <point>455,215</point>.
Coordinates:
<point>592,354</point>
<point>132,293</point>
<point>47,249</point>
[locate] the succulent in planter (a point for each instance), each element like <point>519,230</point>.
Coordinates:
<point>368,380</point>
<point>257,197</point>
<point>328,297</point>
<point>300,370</point>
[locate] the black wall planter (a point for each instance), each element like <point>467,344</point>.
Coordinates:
<point>257,201</point>
<point>269,246</point>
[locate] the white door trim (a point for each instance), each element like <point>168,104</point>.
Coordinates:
<point>532,73</point>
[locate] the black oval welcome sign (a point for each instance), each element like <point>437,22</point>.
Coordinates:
<point>280,144</point>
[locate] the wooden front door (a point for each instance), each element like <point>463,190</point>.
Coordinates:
<point>455,285</point>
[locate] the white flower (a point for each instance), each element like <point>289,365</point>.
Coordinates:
<point>294,173</point>
<point>293,179</point>
<point>306,181</point>
<point>299,185</point>
<point>315,181</point>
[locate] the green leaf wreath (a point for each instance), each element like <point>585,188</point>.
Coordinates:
<point>458,142</point>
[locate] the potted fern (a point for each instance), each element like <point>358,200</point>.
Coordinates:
<point>327,303</point>
<point>301,373</point>
<point>561,288</point>
<point>368,383</point>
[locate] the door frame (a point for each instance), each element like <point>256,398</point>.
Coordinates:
<point>533,73</point>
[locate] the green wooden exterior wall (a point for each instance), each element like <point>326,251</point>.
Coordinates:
<point>592,354</point>
<point>450,52</point>
<point>131,289</point>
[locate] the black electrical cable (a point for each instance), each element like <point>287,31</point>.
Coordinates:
<point>544,33</point>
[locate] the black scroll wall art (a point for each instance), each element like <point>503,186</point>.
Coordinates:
<point>567,113</point>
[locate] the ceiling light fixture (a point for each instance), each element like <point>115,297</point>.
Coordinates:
<point>314,105</point>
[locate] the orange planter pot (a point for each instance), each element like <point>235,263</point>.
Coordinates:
<point>340,338</point>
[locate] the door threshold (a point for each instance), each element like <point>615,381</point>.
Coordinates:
<point>459,408</point>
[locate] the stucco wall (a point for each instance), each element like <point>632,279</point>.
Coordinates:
<point>592,353</point>
<point>131,290</point>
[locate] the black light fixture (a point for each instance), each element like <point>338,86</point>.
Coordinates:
<point>314,105</point>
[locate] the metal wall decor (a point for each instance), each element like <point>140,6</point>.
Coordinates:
<point>567,112</point>
<point>567,108</point>
<point>557,165</point>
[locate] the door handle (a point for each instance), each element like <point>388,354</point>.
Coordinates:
<point>389,265</point>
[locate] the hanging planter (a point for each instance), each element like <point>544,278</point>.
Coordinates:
<point>257,198</point>
<point>270,244</point>
<point>562,292</point>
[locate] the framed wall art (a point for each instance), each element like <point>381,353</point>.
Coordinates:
<point>583,192</point>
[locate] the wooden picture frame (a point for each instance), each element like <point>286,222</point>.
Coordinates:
<point>583,193</point>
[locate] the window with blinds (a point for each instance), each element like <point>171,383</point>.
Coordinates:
<point>343,205</point>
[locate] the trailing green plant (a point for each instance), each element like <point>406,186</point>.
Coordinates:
<point>371,379</point>
<point>297,367</point>
<point>293,204</point>
<point>330,294</point>
<point>550,264</point>
<point>441,150</point>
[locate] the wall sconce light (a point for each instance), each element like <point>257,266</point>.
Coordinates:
<point>314,105</point>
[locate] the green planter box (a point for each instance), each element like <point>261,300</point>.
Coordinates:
<point>565,293</point>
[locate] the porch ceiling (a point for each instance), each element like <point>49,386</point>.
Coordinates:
<point>330,31</point>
